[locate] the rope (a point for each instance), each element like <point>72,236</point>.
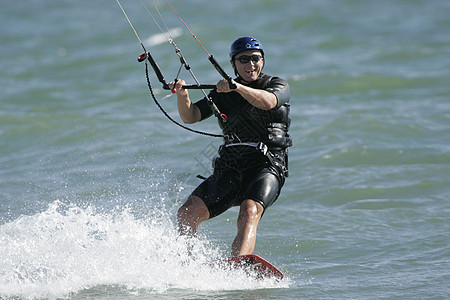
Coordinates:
<point>168,116</point>
<point>183,62</point>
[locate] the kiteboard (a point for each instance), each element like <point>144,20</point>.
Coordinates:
<point>255,264</point>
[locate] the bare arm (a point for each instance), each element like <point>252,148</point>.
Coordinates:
<point>189,112</point>
<point>259,98</point>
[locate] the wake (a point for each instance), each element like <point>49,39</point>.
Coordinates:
<point>68,249</point>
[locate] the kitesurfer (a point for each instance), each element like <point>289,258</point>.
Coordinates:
<point>252,164</point>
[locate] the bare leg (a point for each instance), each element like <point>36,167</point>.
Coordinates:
<point>249,215</point>
<point>191,214</point>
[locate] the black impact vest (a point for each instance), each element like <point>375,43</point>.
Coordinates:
<point>248,124</point>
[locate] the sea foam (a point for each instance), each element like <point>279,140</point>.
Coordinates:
<point>68,249</point>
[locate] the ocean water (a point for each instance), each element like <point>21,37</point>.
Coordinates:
<point>92,173</point>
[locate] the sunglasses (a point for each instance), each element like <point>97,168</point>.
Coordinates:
<point>246,58</point>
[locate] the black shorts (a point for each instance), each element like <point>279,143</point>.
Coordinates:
<point>231,186</point>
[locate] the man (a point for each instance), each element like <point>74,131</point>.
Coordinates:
<point>252,163</point>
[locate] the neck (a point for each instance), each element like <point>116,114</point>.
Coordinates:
<point>241,80</point>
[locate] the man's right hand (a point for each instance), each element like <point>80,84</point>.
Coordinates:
<point>178,86</point>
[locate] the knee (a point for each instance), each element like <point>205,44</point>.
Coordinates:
<point>194,210</point>
<point>250,211</point>
<point>185,213</point>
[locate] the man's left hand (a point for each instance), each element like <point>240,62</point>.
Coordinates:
<point>224,87</point>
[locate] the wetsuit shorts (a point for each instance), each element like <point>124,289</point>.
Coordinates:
<point>231,186</point>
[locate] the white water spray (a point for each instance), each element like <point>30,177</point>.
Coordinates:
<point>67,250</point>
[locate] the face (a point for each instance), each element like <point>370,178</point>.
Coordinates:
<point>249,71</point>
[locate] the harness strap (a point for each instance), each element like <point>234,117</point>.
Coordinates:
<point>241,144</point>
<point>264,149</point>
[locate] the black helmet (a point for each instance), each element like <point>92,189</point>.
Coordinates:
<point>245,43</point>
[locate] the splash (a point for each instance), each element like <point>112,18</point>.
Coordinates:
<point>67,250</point>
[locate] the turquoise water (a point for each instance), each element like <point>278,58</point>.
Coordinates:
<point>92,173</point>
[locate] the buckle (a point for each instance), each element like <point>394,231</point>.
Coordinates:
<point>263,148</point>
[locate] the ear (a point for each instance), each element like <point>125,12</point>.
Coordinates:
<point>233,64</point>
